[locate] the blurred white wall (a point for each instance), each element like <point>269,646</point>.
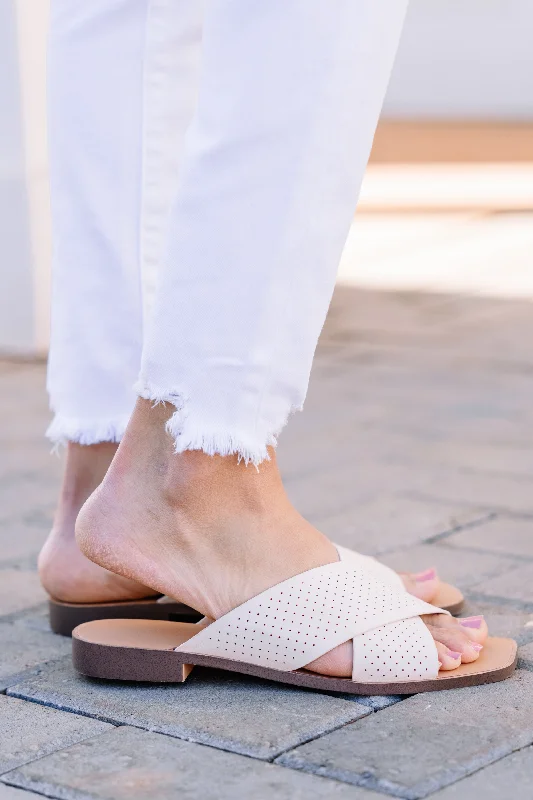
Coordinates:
<point>16,312</point>
<point>466,59</point>
<point>24,204</point>
<point>459,59</point>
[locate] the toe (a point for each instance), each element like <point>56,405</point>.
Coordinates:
<point>449,659</point>
<point>454,637</point>
<point>423,585</point>
<point>475,628</point>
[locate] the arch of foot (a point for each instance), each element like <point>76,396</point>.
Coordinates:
<point>301,619</point>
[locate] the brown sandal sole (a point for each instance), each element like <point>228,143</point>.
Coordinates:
<point>143,650</point>
<point>64,617</point>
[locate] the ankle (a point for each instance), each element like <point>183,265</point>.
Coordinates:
<point>85,468</point>
<point>222,487</point>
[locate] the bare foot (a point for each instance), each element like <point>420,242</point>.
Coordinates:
<point>213,533</point>
<point>70,576</point>
<point>65,572</point>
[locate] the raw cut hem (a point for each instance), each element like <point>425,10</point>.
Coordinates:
<point>64,429</point>
<point>192,436</point>
<point>220,444</point>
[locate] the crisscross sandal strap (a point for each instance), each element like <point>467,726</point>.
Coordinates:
<point>371,565</point>
<point>301,619</point>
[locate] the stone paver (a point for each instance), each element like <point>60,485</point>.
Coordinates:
<point>526,655</point>
<point>426,742</point>
<point>515,585</point>
<point>375,702</point>
<point>503,535</point>
<point>129,764</point>
<point>482,490</point>
<point>379,524</point>
<point>10,793</point>
<point>464,571</point>
<point>23,535</point>
<point>29,731</point>
<point>246,716</point>
<point>511,777</point>
<point>24,646</point>
<point>19,589</point>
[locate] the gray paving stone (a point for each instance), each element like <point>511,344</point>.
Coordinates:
<point>10,793</point>
<point>19,589</point>
<point>464,571</point>
<point>25,493</point>
<point>375,702</point>
<point>389,521</point>
<point>138,765</point>
<point>526,655</point>
<point>511,777</point>
<point>425,743</point>
<point>30,731</point>
<point>23,535</point>
<point>515,585</point>
<point>25,647</point>
<point>247,716</point>
<point>482,490</point>
<point>504,535</point>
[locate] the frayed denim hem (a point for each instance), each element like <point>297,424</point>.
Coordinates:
<point>86,432</point>
<point>191,435</point>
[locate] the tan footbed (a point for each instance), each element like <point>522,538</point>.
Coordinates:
<point>144,650</point>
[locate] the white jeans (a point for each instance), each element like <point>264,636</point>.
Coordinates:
<point>222,144</point>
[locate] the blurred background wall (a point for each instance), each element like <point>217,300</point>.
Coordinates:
<point>25,241</point>
<point>464,59</point>
<point>462,88</point>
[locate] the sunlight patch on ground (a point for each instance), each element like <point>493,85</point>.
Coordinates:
<point>488,255</point>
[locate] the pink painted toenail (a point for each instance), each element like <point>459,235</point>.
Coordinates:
<point>428,575</point>
<point>475,646</point>
<point>454,655</point>
<point>471,622</point>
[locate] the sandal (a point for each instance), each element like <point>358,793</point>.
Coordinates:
<point>275,634</point>
<point>64,617</point>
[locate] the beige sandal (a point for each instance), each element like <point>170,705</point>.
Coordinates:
<point>275,634</point>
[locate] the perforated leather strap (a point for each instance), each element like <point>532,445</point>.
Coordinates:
<point>371,565</point>
<point>295,622</point>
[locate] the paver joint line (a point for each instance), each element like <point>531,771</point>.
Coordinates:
<point>11,692</point>
<point>441,537</point>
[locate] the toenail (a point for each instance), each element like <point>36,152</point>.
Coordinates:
<point>471,622</point>
<point>428,575</point>
<point>453,654</point>
<point>475,646</point>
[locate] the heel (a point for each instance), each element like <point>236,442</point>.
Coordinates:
<point>127,663</point>
<point>185,671</point>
